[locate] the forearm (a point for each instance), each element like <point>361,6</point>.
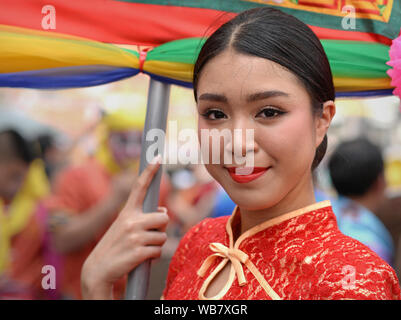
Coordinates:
<point>79,230</point>
<point>93,289</point>
<point>100,292</point>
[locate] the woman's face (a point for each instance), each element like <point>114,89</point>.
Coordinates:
<point>125,146</point>
<point>237,91</point>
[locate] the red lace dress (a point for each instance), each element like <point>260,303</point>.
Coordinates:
<point>299,255</point>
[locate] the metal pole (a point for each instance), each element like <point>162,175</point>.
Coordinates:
<point>156,117</point>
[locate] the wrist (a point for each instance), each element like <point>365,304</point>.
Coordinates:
<point>93,287</point>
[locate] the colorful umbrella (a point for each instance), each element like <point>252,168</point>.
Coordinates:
<point>99,41</point>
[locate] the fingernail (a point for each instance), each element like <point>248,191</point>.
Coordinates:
<point>157,159</point>
<point>162,210</point>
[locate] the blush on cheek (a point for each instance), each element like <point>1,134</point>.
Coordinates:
<point>298,135</point>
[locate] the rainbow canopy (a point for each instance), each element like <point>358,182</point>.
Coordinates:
<point>69,44</point>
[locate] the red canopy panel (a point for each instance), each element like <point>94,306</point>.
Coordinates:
<point>136,23</point>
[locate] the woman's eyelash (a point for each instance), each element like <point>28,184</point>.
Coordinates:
<point>217,114</point>
<point>270,112</point>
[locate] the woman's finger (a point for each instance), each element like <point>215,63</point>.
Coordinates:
<point>163,210</point>
<point>153,238</point>
<point>148,252</point>
<point>138,191</point>
<point>154,220</point>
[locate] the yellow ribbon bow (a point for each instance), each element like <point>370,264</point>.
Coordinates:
<point>236,256</point>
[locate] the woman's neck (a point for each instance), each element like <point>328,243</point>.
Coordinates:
<point>299,197</point>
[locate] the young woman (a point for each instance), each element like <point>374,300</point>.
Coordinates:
<point>266,71</point>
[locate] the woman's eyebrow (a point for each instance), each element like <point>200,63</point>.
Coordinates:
<point>266,94</point>
<point>251,98</point>
<point>213,97</point>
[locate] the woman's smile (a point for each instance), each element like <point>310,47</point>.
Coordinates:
<point>246,174</point>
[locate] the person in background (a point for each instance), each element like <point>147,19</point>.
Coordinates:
<point>87,197</point>
<point>191,198</point>
<point>357,172</point>
<point>23,186</point>
<point>53,155</point>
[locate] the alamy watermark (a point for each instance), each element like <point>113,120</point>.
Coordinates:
<point>348,281</point>
<point>211,146</point>
<point>49,280</point>
<point>349,21</point>
<point>49,18</point>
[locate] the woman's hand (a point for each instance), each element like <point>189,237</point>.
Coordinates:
<point>133,238</point>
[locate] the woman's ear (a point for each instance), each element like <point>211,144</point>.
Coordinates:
<point>323,120</point>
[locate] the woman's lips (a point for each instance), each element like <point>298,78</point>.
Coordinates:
<point>244,175</point>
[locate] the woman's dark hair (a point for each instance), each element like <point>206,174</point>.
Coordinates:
<point>355,166</point>
<point>274,35</point>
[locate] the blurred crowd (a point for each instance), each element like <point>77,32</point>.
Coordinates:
<point>53,211</point>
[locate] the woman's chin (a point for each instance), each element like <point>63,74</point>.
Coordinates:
<point>251,200</point>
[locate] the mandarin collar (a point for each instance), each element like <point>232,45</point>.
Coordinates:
<point>269,223</point>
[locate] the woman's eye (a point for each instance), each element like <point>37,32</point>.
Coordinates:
<point>269,113</point>
<point>214,114</point>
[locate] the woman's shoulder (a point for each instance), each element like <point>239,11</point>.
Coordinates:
<point>355,272</point>
<point>349,250</point>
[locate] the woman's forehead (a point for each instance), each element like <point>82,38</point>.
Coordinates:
<point>231,72</point>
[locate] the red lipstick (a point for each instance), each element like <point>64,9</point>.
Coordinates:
<point>254,173</point>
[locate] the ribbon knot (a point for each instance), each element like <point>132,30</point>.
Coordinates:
<point>235,256</point>
<point>142,57</point>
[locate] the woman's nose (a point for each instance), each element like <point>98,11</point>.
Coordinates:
<point>241,142</point>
